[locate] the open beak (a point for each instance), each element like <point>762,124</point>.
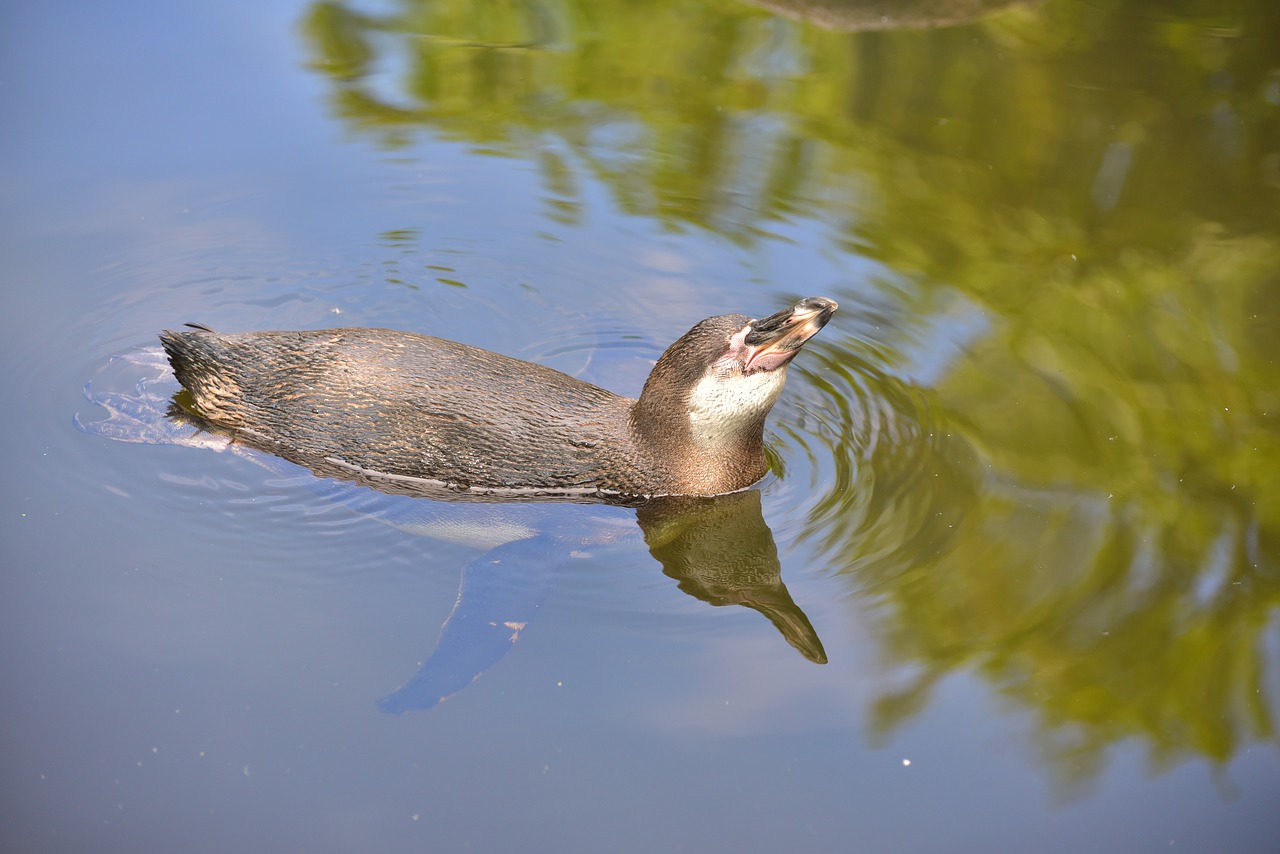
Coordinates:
<point>773,341</point>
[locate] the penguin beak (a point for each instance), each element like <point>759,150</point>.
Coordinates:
<point>773,341</point>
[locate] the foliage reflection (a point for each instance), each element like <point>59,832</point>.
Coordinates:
<point>1082,502</point>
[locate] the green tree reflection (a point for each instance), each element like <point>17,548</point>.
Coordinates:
<point>1100,180</point>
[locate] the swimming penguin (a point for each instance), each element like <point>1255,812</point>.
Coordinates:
<point>399,405</point>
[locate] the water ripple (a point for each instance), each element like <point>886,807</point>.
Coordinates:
<point>868,467</point>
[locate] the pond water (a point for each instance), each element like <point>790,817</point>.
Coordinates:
<point>1027,482</point>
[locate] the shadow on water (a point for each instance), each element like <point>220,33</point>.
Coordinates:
<point>718,550</point>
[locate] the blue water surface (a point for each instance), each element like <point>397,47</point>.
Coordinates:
<point>194,647</point>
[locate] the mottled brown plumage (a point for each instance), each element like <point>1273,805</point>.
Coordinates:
<point>406,405</point>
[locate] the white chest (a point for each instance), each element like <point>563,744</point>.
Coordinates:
<point>721,408</point>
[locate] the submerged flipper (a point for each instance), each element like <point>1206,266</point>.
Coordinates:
<point>500,592</point>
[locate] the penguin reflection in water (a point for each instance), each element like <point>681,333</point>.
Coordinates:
<point>415,415</point>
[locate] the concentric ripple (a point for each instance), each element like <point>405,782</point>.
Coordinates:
<point>868,471</point>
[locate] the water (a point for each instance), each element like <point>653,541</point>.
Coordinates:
<point>1026,478</point>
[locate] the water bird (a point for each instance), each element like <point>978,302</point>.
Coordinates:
<point>390,405</point>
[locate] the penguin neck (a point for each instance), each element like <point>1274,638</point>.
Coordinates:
<point>707,439</point>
